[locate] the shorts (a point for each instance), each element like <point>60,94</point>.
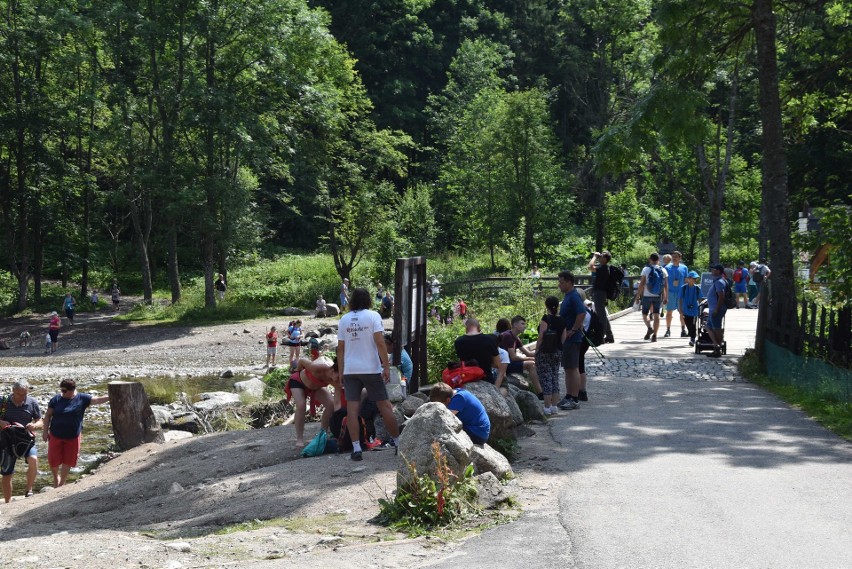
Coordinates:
<point>373,382</point>
<point>714,321</point>
<point>294,343</point>
<point>584,347</point>
<point>674,298</point>
<point>295,382</point>
<point>54,334</point>
<point>740,287</point>
<point>271,350</point>
<point>571,355</point>
<point>115,302</point>
<point>515,367</point>
<point>63,451</point>
<point>650,303</point>
<point>8,460</point>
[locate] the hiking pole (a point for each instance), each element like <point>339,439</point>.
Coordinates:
<point>594,348</point>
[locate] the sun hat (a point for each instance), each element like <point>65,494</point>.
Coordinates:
<point>692,275</point>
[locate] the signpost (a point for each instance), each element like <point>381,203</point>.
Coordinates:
<point>409,316</point>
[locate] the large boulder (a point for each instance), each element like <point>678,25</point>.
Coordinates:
<point>332,309</point>
<point>518,380</point>
<point>503,421</point>
<point>292,311</point>
<point>253,387</point>
<point>486,459</point>
<point>213,400</point>
<point>432,424</point>
<point>328,343</point>
<point>379,423</point>
<point>517,416</point>
<point>188,422</point>
<point>162,414</point>
<point>530,405</point>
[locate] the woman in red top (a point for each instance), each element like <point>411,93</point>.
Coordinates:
<point>53,330</point>
<point>271,346</point>
<point>311,379</point>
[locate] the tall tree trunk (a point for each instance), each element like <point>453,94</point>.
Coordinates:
<point>174,271</point>
<point>774,161</point>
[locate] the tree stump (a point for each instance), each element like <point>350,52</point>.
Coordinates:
<point>133,422</point>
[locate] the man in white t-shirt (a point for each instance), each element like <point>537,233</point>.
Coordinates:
<point>653,294</point>
<point>363,363</point>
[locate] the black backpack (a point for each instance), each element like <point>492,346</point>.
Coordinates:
<point>595,334</point>
<point>730,298</point>
<point>551,341</point>
<point>15,442</point>
<point>616,276</point>
<point>338,425</point>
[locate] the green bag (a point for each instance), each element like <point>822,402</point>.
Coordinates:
<point>317,446</point>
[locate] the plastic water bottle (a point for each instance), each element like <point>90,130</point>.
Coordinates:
<point>403,387</point>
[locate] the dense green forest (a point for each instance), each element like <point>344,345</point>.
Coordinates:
<point>184,138</point>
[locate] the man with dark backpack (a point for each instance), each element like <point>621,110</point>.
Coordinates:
<point>20,416</point>
<point>653,294</point>
<point>604,284</point>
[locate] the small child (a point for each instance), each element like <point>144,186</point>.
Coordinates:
<point>271,346</point>
<point>25,339</point>
<point>690,296</point>
<point>94,299</point>
<point>467,408</point>
<point>48,343</point>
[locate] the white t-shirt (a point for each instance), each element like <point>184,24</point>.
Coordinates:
<point>356,329</point>
<point>647,271</point>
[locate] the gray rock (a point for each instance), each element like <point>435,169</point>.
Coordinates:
<point>517,415</point>
<point>175,488</point>
<point>491,493</point>
<point>432,423</point>
<point>162,414</point>
<point>253,387</point>
<point>411,404</point>
<point>292,311</point>
<point>169,435</point>
<point>313,334</point>
<point>216,400</point>
<point>531,408</point>
<point>187,422</point>
<point>421,395</point>
<point>326,331</point>
<point>227,374</point>
<point>503,422</point>
<point>518,380</point>
<point>512,389</point>
<point>486,459</point>
<point>328,342</point>
<point>181,546</point>
<point>379,423</point>
<point>332,309</point>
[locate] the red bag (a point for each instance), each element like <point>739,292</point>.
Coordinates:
<point>456,376</point>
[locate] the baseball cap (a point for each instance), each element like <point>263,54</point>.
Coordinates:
<point>718,267</point>
<point>692,275</point>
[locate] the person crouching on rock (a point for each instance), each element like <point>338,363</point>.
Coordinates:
<point>63,428</point>
<point>467,408</point>
<point>311,379</point>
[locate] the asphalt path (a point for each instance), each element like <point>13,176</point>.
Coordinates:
<point>676,462</point>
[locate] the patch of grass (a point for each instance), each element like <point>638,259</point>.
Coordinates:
<point>507,447</point>
<point>834,415</point>
<point>330,523</point>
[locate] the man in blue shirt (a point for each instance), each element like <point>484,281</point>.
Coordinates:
<point>467,408</point>
<point>19,407</point>
<point>717,308</point>
<point>573,311</point>
<point>677,272</point>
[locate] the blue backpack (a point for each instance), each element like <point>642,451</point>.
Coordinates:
<point>654,282</point>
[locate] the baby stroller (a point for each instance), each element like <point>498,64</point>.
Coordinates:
<point>703,341</point>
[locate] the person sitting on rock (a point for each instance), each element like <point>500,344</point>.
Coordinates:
<point>474,345</point>
<point>467,408</point>
<point>522,359</point>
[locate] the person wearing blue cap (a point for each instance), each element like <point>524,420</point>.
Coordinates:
<point>690,295</point>
<point>716,309</point>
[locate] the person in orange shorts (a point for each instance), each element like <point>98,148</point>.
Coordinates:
<point>63,428</point>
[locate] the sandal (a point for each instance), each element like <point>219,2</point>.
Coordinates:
<point>28,494</point>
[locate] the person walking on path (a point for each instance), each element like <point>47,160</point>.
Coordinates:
<point>676,272</point>
<point>599,265</point>
<point>69,304</point>
<point>344,295</point>
<point>271,346</point>
<point>573,312</point>
<point>115,294</point>
<point>363,363</point>
<point>19,407</point>
<point>741,278</point>
<point>63,428</point>
<point>53,331</point>
<point>652,293</point>
<point>759,273</point>
<point>690,295</point>
<point>717,309</point>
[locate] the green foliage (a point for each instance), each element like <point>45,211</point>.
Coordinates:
<point>432,499</point>
<point>276,381</point>
<point>835,230</point>
<point>440,346</point>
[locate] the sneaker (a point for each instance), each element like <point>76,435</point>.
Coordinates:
<point>28,494</point>
<point>668,333</point>
<point>609,340</point>
<point>583,395</point>
<point>548,411</point>
<point>683,333</point>
<point>569,405</point>
<point>356,456</point>
<point>564,401</point>
<point>654,338</point>
<point>648,333</point>
<point>715,354</point>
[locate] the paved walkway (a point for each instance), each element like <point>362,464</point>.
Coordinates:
<point>677,463</point>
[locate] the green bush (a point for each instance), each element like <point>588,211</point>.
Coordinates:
<point>275,382</point>
<point>440,346</point>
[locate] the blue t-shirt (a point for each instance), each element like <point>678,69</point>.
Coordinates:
<point>677,276</point>
<point>471,413</point>
<point>713,295</point>
<point>572,306</point>
<point>67,421</point>
<point>689,296</point>
<point>406,366</point>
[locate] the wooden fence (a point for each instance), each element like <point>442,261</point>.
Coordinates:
<point>810,330</point>
<point>496,285</point>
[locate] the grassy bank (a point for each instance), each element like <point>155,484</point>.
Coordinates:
<point>834,415</point>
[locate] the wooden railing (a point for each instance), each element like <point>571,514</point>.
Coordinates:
<point>490,285</point>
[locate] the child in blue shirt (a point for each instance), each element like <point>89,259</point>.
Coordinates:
<point>467,408</point>
<point>690,296</point>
